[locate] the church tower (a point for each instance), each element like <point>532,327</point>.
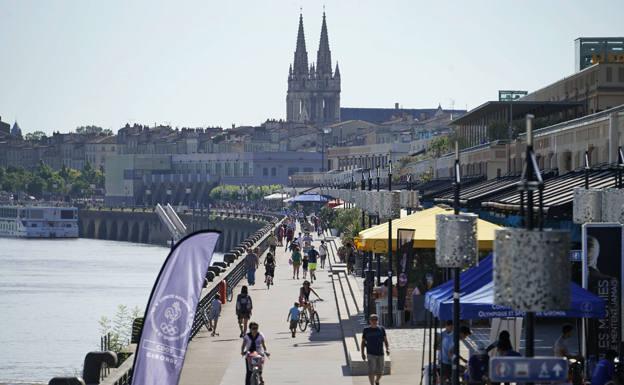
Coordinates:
<point>313,90</point>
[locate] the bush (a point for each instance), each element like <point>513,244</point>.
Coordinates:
<point>348,223</point>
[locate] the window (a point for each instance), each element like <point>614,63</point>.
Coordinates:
<point>273,171</point>
<point>265,171</point>
<point>293,170</point>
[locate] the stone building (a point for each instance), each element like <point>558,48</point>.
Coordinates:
<point>313,90</point>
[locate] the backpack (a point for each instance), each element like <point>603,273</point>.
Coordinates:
<point>243,303</point>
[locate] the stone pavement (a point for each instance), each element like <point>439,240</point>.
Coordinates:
<point>310,358</point>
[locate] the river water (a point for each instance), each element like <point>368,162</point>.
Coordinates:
<point>54,292</point>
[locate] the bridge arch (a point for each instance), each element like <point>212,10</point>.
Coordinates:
<point>113,230</point>
<point>90,229</point>
<point>102,230</point>
<point>134,232</point>
<point>145,232</point>
<point>123,231</point>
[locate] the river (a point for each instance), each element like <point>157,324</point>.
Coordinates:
<point>54,292</point>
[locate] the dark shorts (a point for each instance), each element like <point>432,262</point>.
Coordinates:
<point>244,315</point>
<point>293,324</point>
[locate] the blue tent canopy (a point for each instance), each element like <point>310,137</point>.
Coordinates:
<point>471,280</point>
<point>480,304</point>
<point>309,198</point>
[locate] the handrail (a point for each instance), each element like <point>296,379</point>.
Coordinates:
<point>123,374</point>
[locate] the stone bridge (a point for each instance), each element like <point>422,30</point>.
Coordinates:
<point>145,227</point>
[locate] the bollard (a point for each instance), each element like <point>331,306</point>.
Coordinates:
<point>531,269</point>
<point>93,364</point>
<point>66,381</point>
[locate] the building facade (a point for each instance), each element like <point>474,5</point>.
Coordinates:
<point>313,90</point>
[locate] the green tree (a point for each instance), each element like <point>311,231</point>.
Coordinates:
<point>439,146</point>
<point>35,136</point>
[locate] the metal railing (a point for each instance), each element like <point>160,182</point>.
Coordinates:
<point>123,374</point>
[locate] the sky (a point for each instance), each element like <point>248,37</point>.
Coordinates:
<point>68,63</point>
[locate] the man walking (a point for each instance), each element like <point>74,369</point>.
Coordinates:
<point>251,264</point>
<point>373,340</point>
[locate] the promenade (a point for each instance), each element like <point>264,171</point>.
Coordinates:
<point>310,358</point>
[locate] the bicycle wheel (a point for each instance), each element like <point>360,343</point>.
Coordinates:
<point>255,378</point>
<point>316,322</point>
<point>303,321</point>
<point>229,293</point>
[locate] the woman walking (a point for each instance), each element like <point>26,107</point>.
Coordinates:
<point>295,257</point>
<point>244,307</point>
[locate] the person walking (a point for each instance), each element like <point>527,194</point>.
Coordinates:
<point>295,257</point>
<point>312,261</point>
<point>290,234</point>
<point>244,306</point>
<point>269,268</point>
<point>373,340</point>
<point>323,253</point>
<point>251,264</point>
<point>304,265</point>
<point>446,353</point>
<point>213,315</point>
<point>293,318</point>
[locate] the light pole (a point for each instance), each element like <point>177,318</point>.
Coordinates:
<point>390,319</point>
<point>148,194</point>
<point>325,132</point>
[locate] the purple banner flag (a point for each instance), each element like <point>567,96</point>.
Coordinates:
<point>171,310</point>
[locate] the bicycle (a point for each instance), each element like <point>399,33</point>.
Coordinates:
<point>304,319</point>
<point>269,281</point>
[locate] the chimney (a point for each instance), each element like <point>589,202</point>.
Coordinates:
<point>396,106</point>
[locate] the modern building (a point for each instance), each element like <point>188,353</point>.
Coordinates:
<point>151,178</point>
<point>313,90</point>
<point>591,50</point>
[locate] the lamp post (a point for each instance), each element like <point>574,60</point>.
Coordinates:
<point>325,132</point>
<point>370,188</point>
<point>168,196</point>
<point>148,193</point>
<point>363,187</point>
<point>409,188</point>
<point>456,272</point>
<point>390,318</point>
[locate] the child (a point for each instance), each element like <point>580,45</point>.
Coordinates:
<point>293,317</point>
<point>215,312</point>
<point>305,265</point>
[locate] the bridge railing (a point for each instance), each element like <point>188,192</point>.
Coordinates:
<point>232,276</point>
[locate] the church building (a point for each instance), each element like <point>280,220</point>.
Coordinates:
<point>313,89</point>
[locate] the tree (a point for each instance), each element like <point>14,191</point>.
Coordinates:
<point>498,130</point>
<point>35,136</point>
<point>439,146</point>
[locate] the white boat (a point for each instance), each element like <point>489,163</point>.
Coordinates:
<point>38,222</point>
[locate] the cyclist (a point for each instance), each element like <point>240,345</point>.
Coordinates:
<point>304,297</point>
<point>244,306</point>
<point>269,267</point>
<point>254,341</point>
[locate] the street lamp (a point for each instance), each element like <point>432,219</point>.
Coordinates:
<point>148,193</point>
<point>389,174</point>
<point>378,176</point>
<point>325,132</point>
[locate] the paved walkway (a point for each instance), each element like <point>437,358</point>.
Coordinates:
<point>310,358</point>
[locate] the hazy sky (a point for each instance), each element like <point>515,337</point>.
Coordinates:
<point>197,63</point>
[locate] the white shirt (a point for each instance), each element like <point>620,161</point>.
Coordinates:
<point>259,341</point>
<point>561,345</point>
<point>323,250</point>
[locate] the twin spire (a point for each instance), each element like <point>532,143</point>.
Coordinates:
<point>323,67</point>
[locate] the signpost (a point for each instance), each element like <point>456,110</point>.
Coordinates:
<point>510,95</point>
<point>524,369</point>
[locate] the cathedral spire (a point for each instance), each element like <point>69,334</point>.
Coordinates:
<point>323,56</point>
<point>301,55</point>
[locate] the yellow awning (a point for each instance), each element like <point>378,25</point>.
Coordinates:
<point>424,223</point>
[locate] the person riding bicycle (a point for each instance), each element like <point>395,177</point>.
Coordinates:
<point>269,267</point>
<point>304,297</point>
<point>254,341</point>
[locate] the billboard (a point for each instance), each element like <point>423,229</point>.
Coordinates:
<point>602,275</point>
<point>510,95</point>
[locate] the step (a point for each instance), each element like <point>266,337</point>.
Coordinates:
<point>359,367</point>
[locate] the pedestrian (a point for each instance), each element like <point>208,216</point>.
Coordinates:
<point>312,260</point>
<point>280,235</point>
<point>305,261</point>
<point>290,233</point>
<point>251,264</point>
<point>295,259</point>
<point>561,348</point>
<point>350,259</point>
<point>213,315</point>
<point>446,353</point>
<point>342,253</point>
<point>605,369</point>
<point>323,253</point>
<point>373,340</point>
<point>244,307</point>
<point>272,241</point>
<point>293,317</point>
